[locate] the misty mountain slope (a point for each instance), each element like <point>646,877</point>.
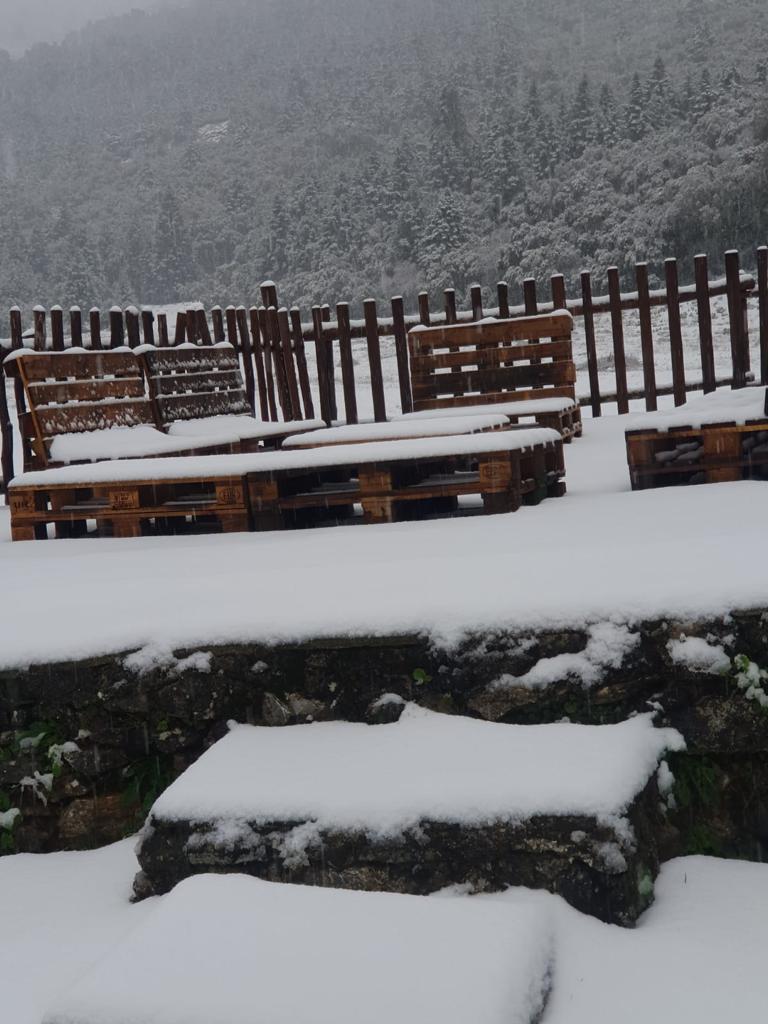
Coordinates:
<point>349,147</point>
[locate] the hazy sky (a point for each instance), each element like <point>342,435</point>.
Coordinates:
<point>24,22</point>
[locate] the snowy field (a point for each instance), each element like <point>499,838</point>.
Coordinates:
<point>696,955</point>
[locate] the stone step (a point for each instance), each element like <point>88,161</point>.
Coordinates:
<point>242,951</point>
<point>426,802</point>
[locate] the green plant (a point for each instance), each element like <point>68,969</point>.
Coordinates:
<point>696,781</point>
<point>421,676</point>
<point>146,780</point>
<point>702,840</point>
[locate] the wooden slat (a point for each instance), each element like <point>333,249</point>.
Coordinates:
<point>401,352</point>
<point>347,362</point>
<point>258,358</point>
<point>278,361</point>
<point>646,336</point>
<point>191,360</point>
<point>324,385</point>
<point>374,360</point>
<point>95,390</point>
<point>675,330</point>
<point>265,348</point>
<point>73,419</point>
<point>79,365</point>
<point>487,356</point>
<point>735,317</point>
<point>493,332</point>
<point>76,327</point>
<point>202,406</point>
<point>508,379</point>
<point>589,332</point>
<point>6,436</point>
<point>301,364</point>
<point>704,310</point>
<point>198,383</point>
<point>290,368</point>
<point>452,402</point>
<point>246,356</point>
<point>617,332</point>
<point>17,342</point>
<point>762,298</point>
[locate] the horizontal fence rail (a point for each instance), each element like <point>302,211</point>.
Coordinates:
<point>272,340</point>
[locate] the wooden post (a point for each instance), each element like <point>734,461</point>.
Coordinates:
<point>190,320</point>
<point>646,336</point>
<point>617,330</point>
<point>531,303</point>
<point>762,298</point>
<point>75,327</point>
<point>94,324</point>
<point>241,326</point>
<point>116,328</point>
<point>559,300</point>
<point>17,342</point>
<point>325,312</point>
<point>180,331</point>
<point>217,319</point>
<point>132,326</point>
<point>38,316</point>
<point>347,362</point>
<point>424,308</point>
<point>502,290</point>
<point>324,384</point>
<point>450,306</point>
<point>301,363</point>
<point>148,326</point>
<point>286,354</point>
<point>268,291</point>
<point>374,359</point>
<point>6,436</point>
<point>263,322</point>
<point>705,323</point>
<point>476,299</point>
<point>589,331</point>
<point>258,358</point>
<point>203,331</point>
<point>401,352</point>
<point>675,330</point>
<point>162,330</point>
<point>57,329</point>
<point>735,317</point>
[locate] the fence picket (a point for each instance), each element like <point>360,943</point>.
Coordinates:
<point>589,331</point>
<point>704,312</point>
<point>617,332</point>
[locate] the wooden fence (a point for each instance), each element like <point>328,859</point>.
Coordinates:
<point>262,333</point>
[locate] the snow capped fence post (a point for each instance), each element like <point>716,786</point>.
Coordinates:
<point>646,336</point>
<point>704,311</point>
<point>241,319</point>
<point>502,291</point>
<point>374,359</point>
<point>217,320</point>
<point>531,303</point>
<point>450,306</point>
<point>325,313</point>
<point>301,363</point>
<point>675,330</point>
<point>57,328</point>
<point>190,320</point>
<point>148,326</point>
<point>94,327</point>
<point>321,360</point>
<point>589,331</point>
<point>180,331</point>
<point>347,362</point>
<point>38,316</point>
<point>162,330</point>
<point>617,331</point>
<point>76,327</point>
<point>476,300</point>
<point>132,326</point>
<point>116,329</point>
<point>424,317</point>
<point>259,356</point>
<point>739,337</point>
<point>401,352</point>
<point>762,297</point>
<point>203,331</point>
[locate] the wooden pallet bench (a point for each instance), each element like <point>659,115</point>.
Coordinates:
<point>524,360</point>
<point>706,449</point>
<point>403,429</point>
<point>390,480</point>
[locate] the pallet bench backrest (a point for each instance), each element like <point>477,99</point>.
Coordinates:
<point>195,382</point>
<point>492,361</point>
<point>76,392</point>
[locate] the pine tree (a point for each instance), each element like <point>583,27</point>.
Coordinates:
<point>635,118</point>
<point>606,118</point>
<point>582,118</point>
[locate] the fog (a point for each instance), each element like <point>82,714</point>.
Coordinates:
<point>26,22</point>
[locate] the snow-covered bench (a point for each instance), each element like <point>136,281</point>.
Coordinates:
<point>389,479</point>
<point>86,406</point>
<point>522,368</point>
<point>198,391</point>
<point>715,438</point>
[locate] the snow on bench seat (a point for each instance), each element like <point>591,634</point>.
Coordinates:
<point>724,406</point>
<point>523,408</point>
<point>126,443</point>
<point>398,429</point>
<point>242,427</point>
<point>237,950</point>
<point>239,465</point>
<point>360,806</point>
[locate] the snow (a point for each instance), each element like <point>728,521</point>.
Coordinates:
<point>241,427</point>
<point>698,654</point>
<point>238,950</point>
<point>717,407</point>
<point>530,407</point>
<point>435,427</point>
<point>186,467</point>
<point>117,443</point>
<point>385,779</point>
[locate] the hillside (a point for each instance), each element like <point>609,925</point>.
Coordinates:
<point>351,147</point>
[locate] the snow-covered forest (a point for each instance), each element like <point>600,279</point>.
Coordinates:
<point>351,147</point>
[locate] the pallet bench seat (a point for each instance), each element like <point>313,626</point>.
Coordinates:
<point>199,391</point>
<point>561,414</point>
<point>525,360</point>
<point>715,439</point>
<point>400,429</point>
<point>390,479</point>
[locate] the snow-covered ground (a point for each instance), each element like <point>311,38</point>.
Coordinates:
<point>696,955</point>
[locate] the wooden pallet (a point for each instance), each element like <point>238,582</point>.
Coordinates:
<point>713,453</point>
<point>396,490</point>
<point>129,509</point>
<point>567,422</point>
